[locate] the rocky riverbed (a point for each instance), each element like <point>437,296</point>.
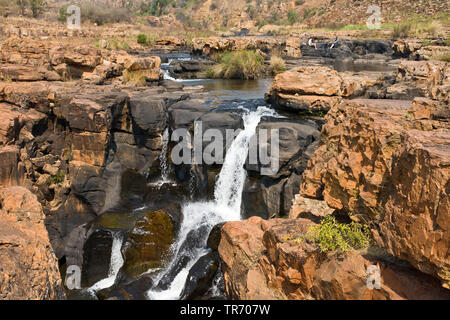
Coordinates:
<point>88,175</point>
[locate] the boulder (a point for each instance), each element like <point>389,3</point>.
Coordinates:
<point>315,90</point>
<point>200,276</point>
<point>147,245</point>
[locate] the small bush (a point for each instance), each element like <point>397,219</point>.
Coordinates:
<point>334,236</point>
<point>37,7</point>
<point>142,39</point>
<point>242,64</point>
<point>293,16</point>
<point>56,179</point>
<point>277,65</point>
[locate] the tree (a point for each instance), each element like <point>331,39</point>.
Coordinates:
<point>22,4</point>
<point>36,6</point>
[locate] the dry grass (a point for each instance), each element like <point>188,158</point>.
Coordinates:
<point>135,78</point>
<point>277,65</point>
<point>443,57</point>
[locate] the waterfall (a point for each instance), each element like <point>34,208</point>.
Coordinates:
<point>114,266</point>
<point>200,217</point>
<point>165,168</point>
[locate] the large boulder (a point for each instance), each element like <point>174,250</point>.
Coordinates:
<point>315,90</point>
<point>28,266</point>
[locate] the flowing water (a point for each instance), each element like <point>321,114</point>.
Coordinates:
<point>203,216</point>
<point>115,264</point>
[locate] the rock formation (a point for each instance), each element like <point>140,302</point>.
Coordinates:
<point>265,260</point>
<point>28,266</point>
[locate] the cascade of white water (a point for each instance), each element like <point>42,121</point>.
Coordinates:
<point>205,215</point>
<point>165,168</point>
<point>114,266</point>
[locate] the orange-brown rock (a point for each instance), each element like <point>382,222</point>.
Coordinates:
<point>318,89</point>
<point>426,76</point>
<point>305,207</point>
<point>28,266</point>
<point>388,162</point>
<point>25,59</point>
<point>273,260</point>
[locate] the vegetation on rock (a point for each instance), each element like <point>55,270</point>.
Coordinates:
<point>244,64</point>
<point>331,235</point>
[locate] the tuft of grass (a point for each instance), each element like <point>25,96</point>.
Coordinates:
<point>403,30</point>
<point>332,236</point>
<point>243,64</point>
<point>135,78</point>
<point>277,65</point>
<point>443,57</point>
<point>416,29</point>
<point>115,44</point>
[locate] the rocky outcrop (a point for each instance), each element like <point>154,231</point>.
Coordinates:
<point>72,146</point>
<point>415,50</point>
<point>24,59</point>
<point>420,78</point>
<point>266,260</point>
<point>313,89</point>
<point>386,162</point>
<point>28,266</point>
<point>289,47</point>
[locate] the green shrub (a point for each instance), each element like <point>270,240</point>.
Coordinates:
<point>243,64</point>
<point>142,39</point>
<point>334,236</point>
<point>37,7</point>
<point>309,13</point>
<point>293,16</point>
<point>56,179</point>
